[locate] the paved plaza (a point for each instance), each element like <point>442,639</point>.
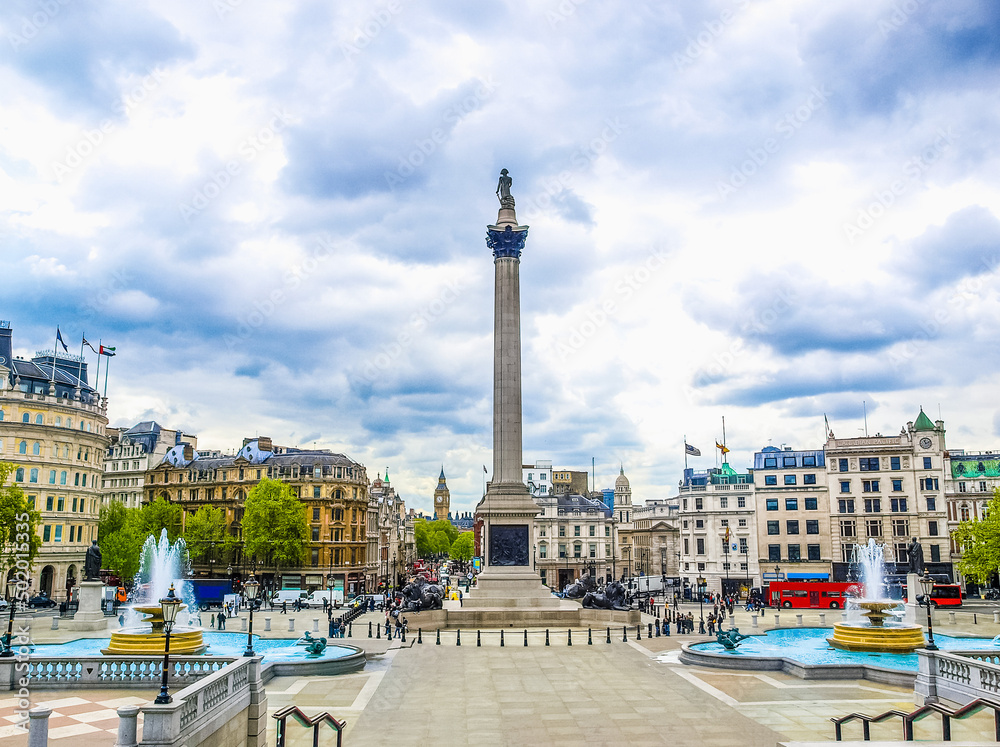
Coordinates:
<point>633,692</point>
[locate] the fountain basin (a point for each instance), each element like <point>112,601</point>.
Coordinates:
<point>183,640</point>
<point>895,639</point>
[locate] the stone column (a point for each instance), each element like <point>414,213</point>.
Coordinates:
<point>128,726</point>
<point>38,726</point>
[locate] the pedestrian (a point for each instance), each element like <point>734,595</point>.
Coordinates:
<point>701,625</point>
<point>459,597</point>
<point>711,625</point>
<point>211,623</point>
<point>284,607</point>
<point>388,630</point>
<point>222,620</point>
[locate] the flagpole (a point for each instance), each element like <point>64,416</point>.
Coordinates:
<point>107,367</point>
<point>685,452</point>
<point>97,378</point>
<point>55,344</point>
<point>724,460</point>
<point>79,368</point>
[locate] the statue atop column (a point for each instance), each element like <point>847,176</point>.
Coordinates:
<point>915,556</point>
<point>503,189</point>
<point>92,565</point>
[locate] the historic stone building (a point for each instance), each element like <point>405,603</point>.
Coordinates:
<point>132,453</point>
<point>52,427</point>
<point>332,488</point>
<point>573,536</point>
<point>655,540</point>
<point>969,482</point>
<point>442,499</point>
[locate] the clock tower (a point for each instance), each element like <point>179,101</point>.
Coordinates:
<point>442,498</point>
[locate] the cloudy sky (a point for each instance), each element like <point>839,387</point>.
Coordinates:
<point>766,210</point>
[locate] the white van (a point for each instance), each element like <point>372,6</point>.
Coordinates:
<point>318,597</point>
<point>289,596</point>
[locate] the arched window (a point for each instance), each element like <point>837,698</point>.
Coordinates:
<point>26,418</point>
<point>58,419</point>
<point>1,414</point>
<point>52,477</point>
<point>69,422</point>
<point>39,419</point>
<point>36,448</point>
<point>82,425</point>
<point>22,448</point>
<point>33,475</point>
<point>19,475</point>
<point>62,477</point>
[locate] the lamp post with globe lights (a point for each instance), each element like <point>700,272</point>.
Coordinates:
<point>169,606</point>
<point>927,585</point>
<point>12,599</point>
<point>250,588</point>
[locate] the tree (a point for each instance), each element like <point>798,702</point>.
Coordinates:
<point>19,540</point>
<point>462,548</point>
<point>980,543</point>
<point>434,537</point>
<point>274,525</point>
<point>160,515</point>
<point>206,536</point>
<point>120,537</point>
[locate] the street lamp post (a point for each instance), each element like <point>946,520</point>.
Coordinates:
<point>701,599</point>
<point>11,598</point>
<point>169,606</point>
<point>250,589</point>
<point>927,584</point>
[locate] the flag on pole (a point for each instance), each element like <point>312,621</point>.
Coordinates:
<point>727,535</point>
<point>89,345</point>
<point>106,351</point>
<point>693,451</point>
<point>485,471</point>
<point>59,339</point>
<point>721,446</point>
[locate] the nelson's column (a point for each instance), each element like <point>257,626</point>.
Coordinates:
<point>508,511</point>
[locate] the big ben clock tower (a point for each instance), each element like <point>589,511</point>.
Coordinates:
<point>442,499</point>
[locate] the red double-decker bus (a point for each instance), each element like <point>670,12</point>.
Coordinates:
<point>810,594</point>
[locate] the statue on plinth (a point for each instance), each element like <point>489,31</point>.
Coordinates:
<point>503,189</point>
<point>612,598</point>
<point>580,588</point>
<point>915,556</point>
<point>420,595</point>
<point>92,564</point>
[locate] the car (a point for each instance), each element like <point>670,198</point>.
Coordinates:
<point>40,601</point>
<point>4,606</point>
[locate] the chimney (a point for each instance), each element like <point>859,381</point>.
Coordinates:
<point>188,453</point>
<point>264,443</point>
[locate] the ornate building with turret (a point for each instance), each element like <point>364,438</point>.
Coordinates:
<point>442,499</point>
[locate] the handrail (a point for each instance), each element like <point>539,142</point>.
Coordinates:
<point>947,714</point>
<point>315,722</point>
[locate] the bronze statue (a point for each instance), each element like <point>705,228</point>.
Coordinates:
<point>580,588</point>
<point>612,598</point>
<point>92,564</point>
<point>503,186</point>
<point>316,646</point>
<point>730,639</point>
<point>420,595</point>
<point>915,555</point>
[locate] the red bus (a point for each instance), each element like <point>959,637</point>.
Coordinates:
<point>944,595</point>
<point>809,594</point>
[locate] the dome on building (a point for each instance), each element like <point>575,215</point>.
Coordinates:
<point>621,482</point>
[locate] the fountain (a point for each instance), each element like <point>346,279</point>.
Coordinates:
<point>875,635</point>
<point>162,564</point>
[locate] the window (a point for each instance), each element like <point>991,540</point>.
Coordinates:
<point>315,557</point>
<point>811,504</point>
<point>543,550</point>
<point>33,475</point>
<point>699,523</point>
<point>741,501</point>
<point>813,552</point>
<point>812,526</point>
<point>931,483</point>
<point>772,504</point>
<point>842,465</point>
<point>790,479</point>
<point>562,531</point>
<point>809,461</point>
<point>848,528</point>
<point>874,527</point>
<point>46,533</point>
<point>788,461</point>
<point>58,534</point>
<point>894,463</point>
<point>49,502</point>
<point>62,477</point>
<point>698,504</point>
<point>74,505</point>
<point>723,502</point>
<point>791,504</point>
<point>961,485</point>
<point>870,486</point>
<point>26,417</point>
<point>316,493</point>
<point>724,522</point>
<point>315,513</point>
<point>809,479</point>
<point>22,448</point>
<point>846,505</point>
<point>792,526</point>
<point>774,553</point>
<point>935,554</point>
<point>845,486</point>
<point>687,547</point>
<point>770,479</point>
<point>898,505</point>
<point>770,462</point>
<point>593,550</point>
<point>701,566</point>
<point>982,486</point>
<point>607,531</point>
<point>576,531</point>
<point>593,530</point>
<point>315,534</point>
<point>744,547</point>
<point>743,522</point>
<point>562,551</point>
<point>700,542</point>
<point>873,505</point>
<point>868,464</point>
<point>900,528</point>
<point>927,463</point>
<point>794,553</point>
<point>577,550</point>
<point>931,503</point>
<point>932,528</point>
<point>52,477</point>
<point>774,527</point>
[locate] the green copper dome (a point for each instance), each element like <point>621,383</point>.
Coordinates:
<point>923,423</point>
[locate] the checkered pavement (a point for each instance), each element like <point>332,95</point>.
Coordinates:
<point>72,716</point>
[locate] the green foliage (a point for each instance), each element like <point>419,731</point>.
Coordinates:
<point>433,537</point>
<point>274,525</point>
<point>19,540</point>
<point>980,543</point>
<point>206,536</point>
<point>120,535</point>
<point>160,515</point>
<point>462,548</point>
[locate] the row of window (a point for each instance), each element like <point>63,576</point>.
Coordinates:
<point>79,478</point>
<point>743,546</point>
<point>792,504</point>
<point>794,553</point>
<point>40,420</point>
<point>276,471</point>
<point>792,526</point>
<point>874,505</point>
<point>808,460</point>
<point>543,551</point>
<point>807,479</point>
<point>700,523</point>
<point>576,531</point>
<point>872,464</point>
<point>54,533</point>
<point>699,503</point>
<point>53,503</point>
<point>875,486</point>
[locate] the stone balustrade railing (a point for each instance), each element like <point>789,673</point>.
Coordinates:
<point>958,676</point>
<point>106,671</point>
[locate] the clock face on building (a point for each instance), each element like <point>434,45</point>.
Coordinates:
<point>439,499</point>
<point>925,443</point>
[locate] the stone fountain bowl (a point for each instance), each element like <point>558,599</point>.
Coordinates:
<point>155,613</point>
<point>877,612</point>
<point>876,636</point>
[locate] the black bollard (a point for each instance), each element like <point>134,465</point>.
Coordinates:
<point>479,640</point>
<point>378,631</point>
<point>638,632</point>
<point>438,641</point>
<point>350,630</point>
<point>546,636</point>
<point>609,636</point>
<point>458,637</point>
<point>501,638</point>
<point>569,637</point>
<point>369,629</point>
<point>525,637</point>
<point>657,628</point>
<point>402,634</point>
<point>420,638</point>
<point>624,634</point>
<point>974,619</point>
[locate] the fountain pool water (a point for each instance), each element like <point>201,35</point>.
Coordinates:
<point>874,634</point>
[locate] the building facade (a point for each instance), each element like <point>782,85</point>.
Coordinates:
<point>970,480</point>
<point>442,498</point>
<point>132,453</point>
<point>538,477</point>
<point>573,537</point>
<point>53,429</point>
<point>655,540</point>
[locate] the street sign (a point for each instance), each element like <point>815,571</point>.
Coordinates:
<point>774,576</point>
